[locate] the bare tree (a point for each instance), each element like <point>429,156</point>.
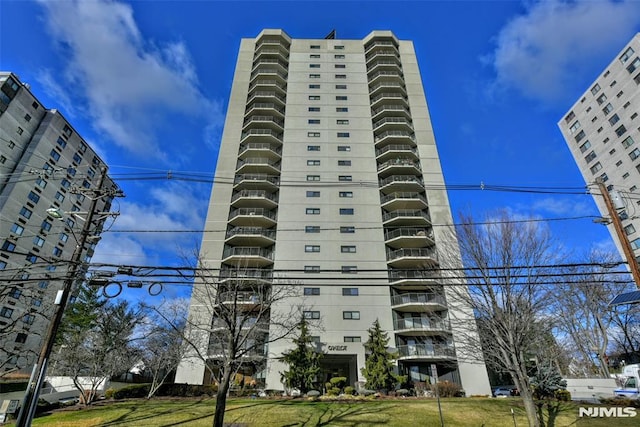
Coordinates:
<point>502,258</point>
<point>231,322</point>
<point>626,332</point>
<point>582,296</point>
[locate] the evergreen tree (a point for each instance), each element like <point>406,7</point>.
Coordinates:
<point>303,361</point>
<point>378,367</point>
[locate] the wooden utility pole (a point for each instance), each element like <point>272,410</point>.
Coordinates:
<point>622,237</point>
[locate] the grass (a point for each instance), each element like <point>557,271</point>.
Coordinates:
<point>289,413</point>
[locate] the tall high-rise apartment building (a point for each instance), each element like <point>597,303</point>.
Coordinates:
<point>328,176</point>
<point>44,164</point>
<point>602,129</point>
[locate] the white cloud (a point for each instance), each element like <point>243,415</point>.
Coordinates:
<point>129,84</point>
<point>562,206</point>
<point>556,45</point>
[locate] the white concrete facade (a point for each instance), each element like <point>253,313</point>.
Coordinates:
<point>602,131</point>
<point>351,188</point>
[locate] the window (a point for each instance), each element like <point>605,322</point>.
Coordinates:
<point>54,155</point>
<point>311,314</point>
<point>342,109</point>
<point>314,97</point>
<point>346,211</point>
<point>38,241</point>
<point>314,46</point>
<point>15,293</point>
<point>314,109</point>
<point>59,196</point>
<point>19,131</point>
<point>600,129</point>
<point>584,147</point>
<point>351,315</point>
<point>21,338</point>
<point>625,176</point>
<point>634,115</point>
<point>8,246</point>
<point>636,243</point>
<point>313,148</point>
<point>343,134</point>
<point>601,99</point>
<point>635,64</point>
<point>70,223</point>
<point>65,183</point>
<point>612,151</point>
<point>339,47</point>
<point>340,76</point>
<point>314,55</point>
<point>342,122</point>
<point>313,194</point>
<point>349,269</point>
<point>595,89</point>
<point>621,130</point>
<point>314,86</point>
<point>344,148</point>
<point>595,168</point>
<point>35,105</point>
<point>36,302</point>
<point>313,121</point>
<point>344,162</point>
<point>66,130</point>
<point>56,251</point>
<point>314,65</point>
<point>613,83</point>
<point>312,211</point>
<point>313,162</point>
<point>341,86</point>
<point>607,109</point>
<point>313,134</point>
<point>352,339</point>
<point>312,291</point>
<point>350,292</point>
<point>346,194</point>
<point>312,229</point>
<point>590,156</point>
<point>25,212</point>
<point>46,225</point>
<point>17,229</point>
<point>341,98</point>
<point>311,268</point>
<point>313,177</point>
<point>64,237</point>
<point>338,56</point>
<point>28,319</point>
<point>12,144</point>
<point>6,312</point>
<point>86,184</point>
<point>580,136</point>
<point>347,229</point>
<point>345,178</point>
<point>635,154</point>
<point>614,119</point>
<point>619,163</point>
<point>340,66</point>
<point>569,117</point>
<point>61,142</point>
<point>41,183</point>
<point>604,141</point>
<point>314,76</point>
<point>627,142</point>
<point>77,158</point>
<point>27,117</point>
<point>33,197</point>
<point>348,249</point>
<point>626,55</point>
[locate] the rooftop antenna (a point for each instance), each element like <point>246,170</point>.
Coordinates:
<point>331,35</point>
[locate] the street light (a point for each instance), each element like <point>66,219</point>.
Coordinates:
<point>30,401</point>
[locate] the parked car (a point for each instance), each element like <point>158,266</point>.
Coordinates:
<point>505,391</point>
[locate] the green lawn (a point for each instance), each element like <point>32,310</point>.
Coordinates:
<point>280,413</point>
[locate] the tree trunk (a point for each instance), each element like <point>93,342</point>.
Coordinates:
<point>527,399</point>
<point>221,396</point>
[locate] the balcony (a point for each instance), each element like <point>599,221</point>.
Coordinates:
<point>397,137</point>
<point>250,236</point>
<point>381,46</point>
<point>272,50</point>
<point>263,122</point>
<point>408,238</point>
<point>269,85</point>
<point>269,73</point>
<point>383,62</point>
<point>252,217</point>
<point>240,276</point>
<point>257,165</point>
<point>413,279</point>
<point>257,181</point>
<point>403,200</point>
<point>254,199</point>
<point>390,110</point>
<point>393,123</point>
<point>264,136</point>
<point>266,96</point>
<point>418,302</point>
<point>386,76</point>
<point>241,256</point>
<point>412,258</point>
<point>406,218</point>
<point>260,149</point>
<point>216,353</point>
<point>427,352</point>
<point>249,299</point>
<point>265,108</point>
<point>387,87</point>
<point>401,184</point>
<point>422,326</point>
<point>270,63</point>
<point>388,98</point>
<point>247,323</point>
<point>399,166</point>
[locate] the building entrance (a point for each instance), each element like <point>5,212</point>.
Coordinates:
<point>343,365</point>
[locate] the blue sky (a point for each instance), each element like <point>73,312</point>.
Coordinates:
<point>146,83</point>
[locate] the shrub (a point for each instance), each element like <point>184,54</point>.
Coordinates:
<point>132,391</point>
<point>333,391</point>
<point>562,395</point>
<point>327,386</point>
<point>338,382</point>
<point>187,390</point>
<point>349,390</point>
<point>620,401</point>
<point>108,393</point>
<point>448,389</point>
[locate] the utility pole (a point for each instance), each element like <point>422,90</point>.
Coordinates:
<point>622,237</point>
<point>30,401</point>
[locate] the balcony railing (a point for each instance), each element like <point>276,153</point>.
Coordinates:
<point>395,85</point>
<point>392,120</point>
<point>406,213</point>
<point>247,252</point>
<point>240,297</point>
<point>423,324</point>
<point>426,350</point>
<point>246,274</point>
<point>411,253</point>
<point>417,298</point>
<point>262,194</point>
<point>386,74</point>
<point>269,119</point>
<point>252,212</point>
<point>267,83</point>
<point>402,195</point>
<point>397,275</point>
<point>398,162</point>
<point>393,95</point>
<point>391,108</point>
<point>400,133</point>
<point>265,94</point>
<point>268,71</point>
<point>401,179</point>
<point>406,232</point>
<point>260,146</point>
<point>258,161</point>
<point>262,132</point>
<point>269,61</point>
<point>265,106</point>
